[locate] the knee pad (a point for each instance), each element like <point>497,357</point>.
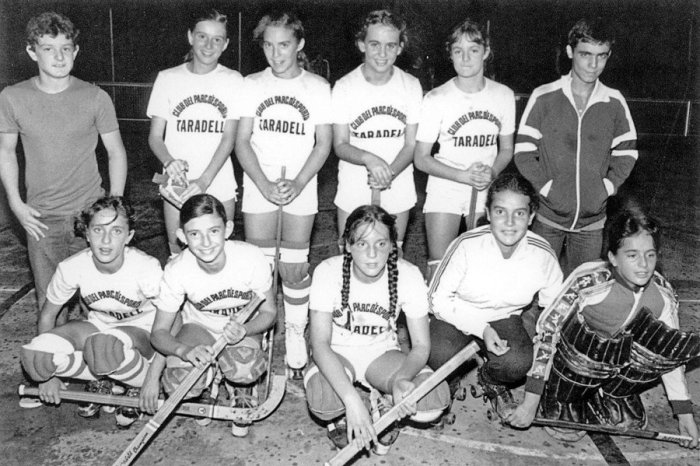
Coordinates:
<point>294,262</point>
<point>323,402</point>
<point>431,406</point>
<point>104,351</point>
<point>243,363</point>
<point>37,356</point>
<point>176,371</point>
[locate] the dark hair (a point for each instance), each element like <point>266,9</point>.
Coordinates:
<point>201,204</point>
<point>629,222</point>
<point>369,216</point>
<point>117,203</point>
<point>211,15</point>
<point>513,181</point>
<point>386,18</point>
<point>474,31</point>
<point>593,30</point>
<point>50,24</point>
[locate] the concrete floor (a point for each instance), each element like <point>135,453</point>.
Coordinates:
<point>666,181</point>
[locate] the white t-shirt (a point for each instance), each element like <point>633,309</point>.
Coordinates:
<point>285,114</point>
<point>467,126</point>
<point>118,298</point>
<point>196,108</point>
<point>474,284</point>
<point>210,299</point>
<point>367,322</point>
<point>377,117</point>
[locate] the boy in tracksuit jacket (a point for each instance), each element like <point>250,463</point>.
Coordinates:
<point>577,145</point>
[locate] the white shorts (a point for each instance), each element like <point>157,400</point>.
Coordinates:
<point>450,197</point>
<point>361,358</point>
<point>144,322</point>
<point>255,203</point>
<point>353,193</point>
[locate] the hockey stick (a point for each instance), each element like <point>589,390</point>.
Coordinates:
<point>376,197</point>
<point>224,413</point>
<point>471,224</point>
<point>152,426</point>
<point>638,433</point>
<point>347,453</point>
<point>275,285</point>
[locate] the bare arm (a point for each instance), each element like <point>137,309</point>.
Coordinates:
<point>47,316</point>
<point>379,170</point>
<point>505,153</point>
<point>117,162</point>
<point>472,176</point>
<point>249,161</point>
<point>175,168</point>
<point>27,216</point>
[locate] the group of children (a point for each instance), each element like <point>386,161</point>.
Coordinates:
<point>147,328</point>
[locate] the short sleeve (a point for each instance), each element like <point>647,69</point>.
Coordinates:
<point>151,279</point>
<point>8,122</point>
<point>171,293</point>
<point>106,117</point>
<point>414,100</point>
<point>323,290</point>
<point>260,276</point>
<point>413,297</point>
<point>63,285</point>
<point>429,120</point>
<point>158,102</point>
<point>339,104</point>
<point>324,109</point>
<point>248,98</point>
<point>508,124</point>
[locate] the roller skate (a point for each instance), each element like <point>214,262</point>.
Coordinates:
<point>379,405</point>
<point>92,410</point>
<point>126,416</point>
<point>500,397</point>
<point>242,396</point>
<point>295,345</point>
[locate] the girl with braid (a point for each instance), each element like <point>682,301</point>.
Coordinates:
<point>354,301</point>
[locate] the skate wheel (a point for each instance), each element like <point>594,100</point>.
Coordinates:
<point>239,430</point>
<point>476,391</point>
<point>461,394</point>
<point>450,418</point>
<point>490,415</point>
<point>294,374</point>
<point>439,425</point>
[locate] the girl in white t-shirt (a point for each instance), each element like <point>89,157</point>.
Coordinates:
<point>473,119</point>
<point>194,114</point>
<point>285,124</point>
<point>116,284</point>
<point>375,111</point>
<point>355,299</point>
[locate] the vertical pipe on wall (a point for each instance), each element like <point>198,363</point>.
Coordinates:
<point>111,41</point>
<point>240,22</point>
<point>687,119</point>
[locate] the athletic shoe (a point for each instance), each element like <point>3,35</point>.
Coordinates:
<point>245,397</point>
<point>28,402</point>
<point>295,345</point>
<point>338,433</point>
<point>380,405</point>
<point>124,415</point>
<point>92,410</point>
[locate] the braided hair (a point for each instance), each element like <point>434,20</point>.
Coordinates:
<point>369,216</point>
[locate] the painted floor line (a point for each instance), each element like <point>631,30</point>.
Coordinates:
<point>500,448</point>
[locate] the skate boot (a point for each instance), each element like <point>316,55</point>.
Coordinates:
<point>92,410</point>
<point>502,403</point>
<point>379,405</point>
<point>295,345</point>
<point>242,396</point>
<point>338,433</point>
<point>124,415</point>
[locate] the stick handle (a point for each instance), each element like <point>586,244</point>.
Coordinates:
<point>152,426</point>
<point>639,433</point>
<point>347,453</point>
<point>472,209</point>
<point>376,197</point>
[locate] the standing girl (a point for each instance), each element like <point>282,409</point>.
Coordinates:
<point>355,299</point>
<point>215,279</point>
<point>284,127</point>
<point>473,119</point>
<point>197,102</point>
<point>376,108</point>
<point>116,283</point>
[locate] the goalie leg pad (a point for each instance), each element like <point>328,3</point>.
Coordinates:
<point>323,402</point>
<point>175,372</point>
<point>432,405</point>
<point>244,362</point>
<point>49,355</point>
<point>104,352</point>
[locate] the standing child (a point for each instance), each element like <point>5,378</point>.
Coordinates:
<point>194,114</point>
<point>59,119</point>
<point>486,279</point>
<point>376,109</point>
<point>285,124</point>
<point>355,299</point>
<point>215,279</point>
<point>473,120</point>
<point>116,283</point>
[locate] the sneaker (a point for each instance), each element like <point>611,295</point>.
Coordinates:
<point>117,389</point>
<point>295,345</point>
<point>338,433</point>
<point>245,397</point>
<point>92,410</point>
<point>380,405</point>
<point>124,415</point>
<point>208,397</point>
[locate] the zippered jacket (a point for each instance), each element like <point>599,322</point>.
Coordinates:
<point>575,161</point>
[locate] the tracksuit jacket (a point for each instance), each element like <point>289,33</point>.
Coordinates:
<point>575,161</point>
